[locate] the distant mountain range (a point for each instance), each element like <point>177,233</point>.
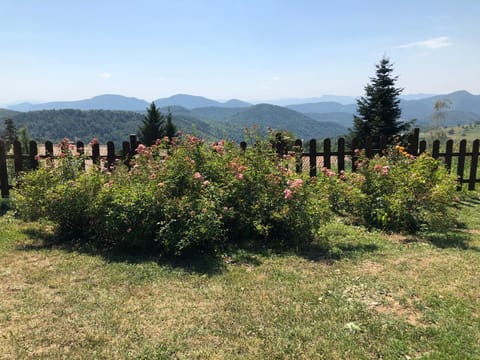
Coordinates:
<point>120,115</point>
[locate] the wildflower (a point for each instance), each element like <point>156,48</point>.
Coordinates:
<point>287,194</point>
<point>198,176</point>
<point>385,170</point>
<point>239,176</point>
<point>153,176</point>
<point>377,167</point>
<point>206,183</point>
<point>61,155</point>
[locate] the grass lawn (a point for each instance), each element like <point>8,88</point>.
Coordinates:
<point>371,296</point>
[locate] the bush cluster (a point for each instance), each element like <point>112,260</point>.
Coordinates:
<point>189,195</point>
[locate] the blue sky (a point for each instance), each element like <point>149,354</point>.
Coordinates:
<point>249,49</point>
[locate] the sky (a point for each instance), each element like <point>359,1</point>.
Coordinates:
<point>253,50</point>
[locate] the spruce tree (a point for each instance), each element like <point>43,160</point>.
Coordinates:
<point>10,133</point>
<point>153,126</point>
<point>379,110</point>
<point>170,128</point>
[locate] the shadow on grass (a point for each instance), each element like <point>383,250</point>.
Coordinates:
<point>452,239</point>
<point>203,263</point>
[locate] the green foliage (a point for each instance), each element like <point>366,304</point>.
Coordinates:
<point>379,111</point>
<point>182,196</point>
<point>397,192</point>
<point>178,197</point>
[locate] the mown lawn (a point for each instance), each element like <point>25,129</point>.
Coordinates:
<point>369,296</point>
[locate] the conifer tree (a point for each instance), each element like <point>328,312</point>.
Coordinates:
<point>379,110</point>
<point>170,128</point>
<point>153,126</point>
<point>10,133</point>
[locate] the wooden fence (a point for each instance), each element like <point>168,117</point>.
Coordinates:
<point>341,157</point>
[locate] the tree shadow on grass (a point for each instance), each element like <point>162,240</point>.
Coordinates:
<point>203,263</point>
<point>451,239</point>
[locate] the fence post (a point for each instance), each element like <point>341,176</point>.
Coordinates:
<point>133,144</point>
<point>436,149</point>
<point>461,163</point>
<point>48,149</point>
<point>4,188</point>
<point>96,153</point>
<point>354,156</point>
<point>473,165</point>
<point>243,146</point>
<point>341,154</point>
<point>33,155</point>
<point>413,139</point>
<point>298,156</point>
<point>423,147</point>
<point>17,155</point>
<point>448,154</point>
<point>326,154</point>
<point>81,152</point>
<point>110,155</point>
<point>313,158</point>
<point>126,153</point>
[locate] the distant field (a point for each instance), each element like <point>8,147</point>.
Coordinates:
<point>469,132</point>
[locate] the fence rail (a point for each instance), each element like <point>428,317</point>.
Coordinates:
<point>341,157</point>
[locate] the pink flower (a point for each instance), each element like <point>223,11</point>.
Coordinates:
<point>141,149</point>
<point>287,194</point>
<point>385,170</point>
<point>295,184</point>
<point>61,155</point>
<point>239,176</point>
<point>153,176</point>
<point>94,141</point>
<point>377,167</point>
<point>198,176</point>
<point>206,183</point>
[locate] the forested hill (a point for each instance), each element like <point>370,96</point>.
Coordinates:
<point>106,125</point>
<point>210,123</point>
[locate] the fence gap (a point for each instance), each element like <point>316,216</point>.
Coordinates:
<point>17,157</point>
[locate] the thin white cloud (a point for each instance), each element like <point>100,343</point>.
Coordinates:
<point>276,78</point>
<point>434,43</point>
<point>105,75</point>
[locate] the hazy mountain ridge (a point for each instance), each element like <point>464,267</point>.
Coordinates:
<point>307,120</point>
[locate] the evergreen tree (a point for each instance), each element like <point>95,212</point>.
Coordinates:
<point>10,133</point>
<point>170,128</point>
<point>153,126</point>
<point>379,110</point>
<point>24,139</point>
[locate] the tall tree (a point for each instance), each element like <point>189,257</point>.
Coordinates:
<point>170,128</point>
<point>379,110</point>
<point>153,126</point>
<point>10,133</point>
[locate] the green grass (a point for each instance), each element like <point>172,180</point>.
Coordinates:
<point>368,295</point>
